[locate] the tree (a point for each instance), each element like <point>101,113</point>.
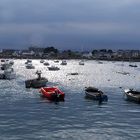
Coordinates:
<point>51,49</point>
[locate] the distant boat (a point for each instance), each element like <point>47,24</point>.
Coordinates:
<point>42,61</point>
<point>8,74</point>
<point>132,95</point>
<point>46,63</point>
<point>53,68</point>
<point>133,65</point>
<point>30,66</point>
<point>56,61</point>
<point>122,70</point>
<point>63,62</point>
<point>28,61</point>
<point>81,62</point>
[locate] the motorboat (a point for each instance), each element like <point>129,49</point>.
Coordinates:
<point>53,68</point>
<point>30,66</point>
<point>81,62</point>
<point>52,93</point>
<point>37,82</point>
<point>28,61</point>
<point>8,74</point>
<point>95,94</point>
<point>131,65</point>
<point>46,63</point>
<point>132,95</point>
<point>41,61</point>
<point>56,61</point>
<point>6,65</point>
<point>63,62</point>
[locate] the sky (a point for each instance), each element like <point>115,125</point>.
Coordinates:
<point>70,24</point>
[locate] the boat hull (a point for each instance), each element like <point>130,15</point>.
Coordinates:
<point>96,96</point>
<point>36,83</point>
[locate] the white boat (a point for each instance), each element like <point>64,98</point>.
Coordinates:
<point>53,68</point>
<point>30,66</point>
<point>81,62</point>
<point>42,61</point>
<point>8,74</point>
<point>6,65</point>
<point>63,62</point>
<point>28,61</point>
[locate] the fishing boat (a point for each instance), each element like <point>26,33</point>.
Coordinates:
<point>29,66</point>
<point>8,74</point>
<point>63,62</point>
<point>95,94</point>
<point>46,63</point>
<point>52,93</point>
<point>81,62</point>
<point>37,82</point>
<point>133,65</point>
<point>28,61</point>
<point>53,68</point>
<point>56,61</point>
<point>132,95</point>
<point>41,61</point>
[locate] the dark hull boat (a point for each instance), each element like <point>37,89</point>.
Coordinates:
<point>132,95</point>
<point>36,83</point>
<point>95,94</point>
<point>52,93</point>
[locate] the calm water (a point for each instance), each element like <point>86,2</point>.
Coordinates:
<point>25,115</point>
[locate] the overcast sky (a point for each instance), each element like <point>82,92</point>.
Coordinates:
<point>65,24</point>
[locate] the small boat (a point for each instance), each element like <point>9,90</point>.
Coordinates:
<point>46,63</point>
<point>131,65</point>
<point>52,93</point>
<point>29,66</point>
<point>56,61</point>
<point>36,83</point>
<point>53,68</point>
<point>132,95</point>
<point>8,74</point>
<point>63,62</point>
<point>42,61</point>
<point>95,94</point>
<point>28,61</point>
<point>81,62</point>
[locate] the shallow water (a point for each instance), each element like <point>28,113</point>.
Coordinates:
<point>25,115</point>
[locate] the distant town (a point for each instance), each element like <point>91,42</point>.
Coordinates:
<point>51,52</point>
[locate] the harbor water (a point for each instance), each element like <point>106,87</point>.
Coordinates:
<point>24,115</point>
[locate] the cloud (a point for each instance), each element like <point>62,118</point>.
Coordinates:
<point>68,23</point>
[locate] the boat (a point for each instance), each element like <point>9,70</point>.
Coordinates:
<point>132,95</point>
<point>63,62</point>
<point>36,83</point>
<point>46,63</point>
<point>52,93</point>
<point>42,61</point>
<point>81,62</point>
<point>95,94</point>
<point>28,61</point>
<point>8,74</point>
<point>53,68</point>
<point>56,61</point>
<point>133,65</point>
<point>6,65</point>
<point>29,66</point>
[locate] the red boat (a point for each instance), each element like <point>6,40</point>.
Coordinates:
<point>52,93</point>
